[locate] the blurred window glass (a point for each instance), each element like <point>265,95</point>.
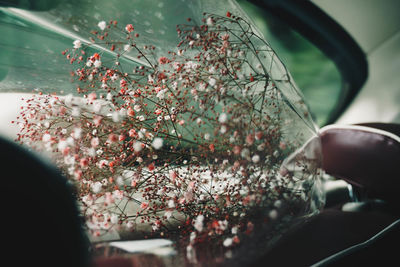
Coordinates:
<point>314,73</point>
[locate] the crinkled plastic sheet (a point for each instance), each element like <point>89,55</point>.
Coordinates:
<point>31,59</point>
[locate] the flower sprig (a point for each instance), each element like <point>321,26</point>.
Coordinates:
<point>190,141</point>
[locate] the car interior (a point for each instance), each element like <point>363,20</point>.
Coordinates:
<point>343,56</point>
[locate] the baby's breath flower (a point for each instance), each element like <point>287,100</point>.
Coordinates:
<point>77,44</point>
<point>102,25</point>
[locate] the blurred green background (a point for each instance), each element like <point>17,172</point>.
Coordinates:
<point>315,74</point>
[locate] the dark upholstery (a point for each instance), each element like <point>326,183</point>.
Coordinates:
<point>367,159</point>
<point>39,216</point>
<point>323,235</point>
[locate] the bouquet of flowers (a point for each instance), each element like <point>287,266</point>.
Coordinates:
<point>205,142</point>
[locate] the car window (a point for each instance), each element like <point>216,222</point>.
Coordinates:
<point>315,74</point>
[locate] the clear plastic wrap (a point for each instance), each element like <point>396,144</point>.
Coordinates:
<point>180,120</point>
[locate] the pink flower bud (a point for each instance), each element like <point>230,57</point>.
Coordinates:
<point>129,28</point>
